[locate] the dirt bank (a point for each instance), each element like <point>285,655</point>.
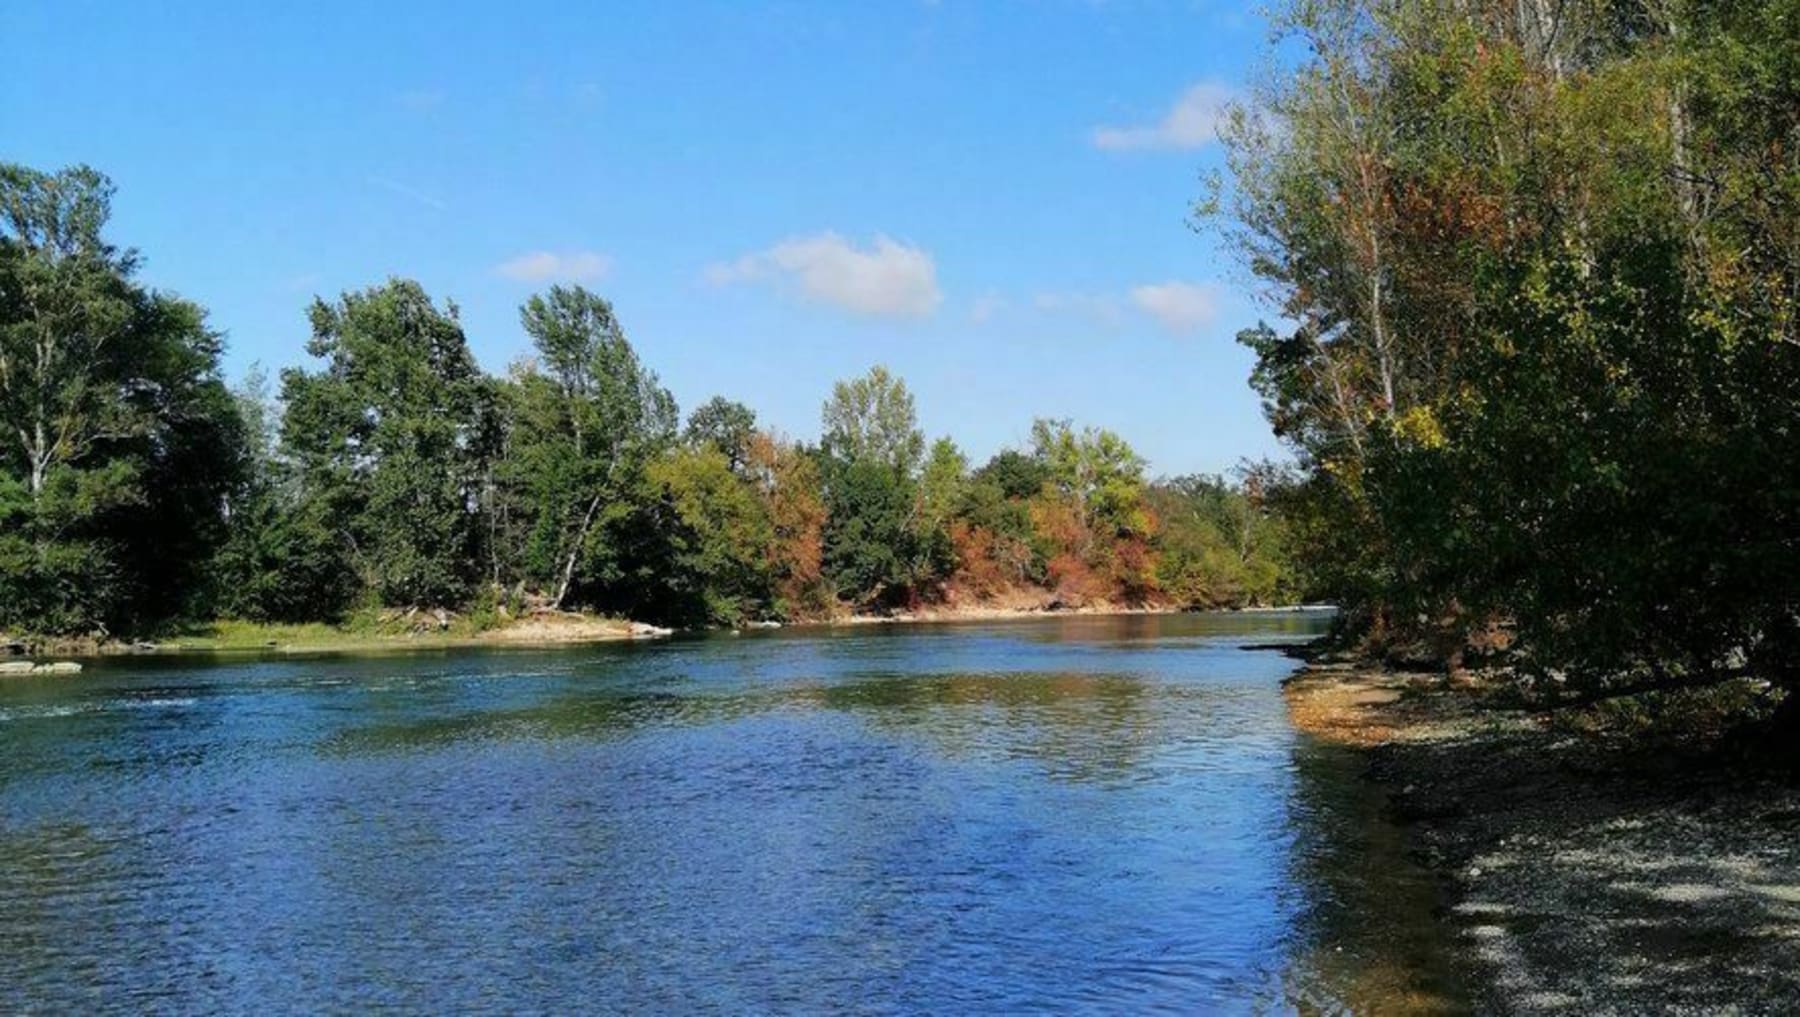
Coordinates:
<point>1583,877</point>
<point>993,612</point>
<point>1030,603</point>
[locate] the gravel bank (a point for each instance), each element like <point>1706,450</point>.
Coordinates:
<point>1582,878</point>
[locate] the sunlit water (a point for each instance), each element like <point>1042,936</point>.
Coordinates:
<point>1084,814</point>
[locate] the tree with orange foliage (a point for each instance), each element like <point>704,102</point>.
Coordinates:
<point>787,479</point>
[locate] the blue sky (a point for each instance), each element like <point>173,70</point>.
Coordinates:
<point>988,197</point>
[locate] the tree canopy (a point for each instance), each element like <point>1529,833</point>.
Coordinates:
<point>389,475</point>
<point>390,437</point>
<point>1536,267</point>
<point>120,441</point>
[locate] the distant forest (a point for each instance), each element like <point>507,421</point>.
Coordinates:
<point>138,491</point>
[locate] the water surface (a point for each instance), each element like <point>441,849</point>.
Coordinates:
<point>1107,814</point>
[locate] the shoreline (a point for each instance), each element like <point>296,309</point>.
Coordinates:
<point>981,613</point>
<point>1579,876</point>
<point>1012,612</point>
<point>224,637</point>
<point>549,630</point>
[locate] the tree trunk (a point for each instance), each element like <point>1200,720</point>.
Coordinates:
<point>40,460</point>
<point>1687,194</point>
<point>568,572</point>
<point>1346,413</point>
<point>1383,357</point>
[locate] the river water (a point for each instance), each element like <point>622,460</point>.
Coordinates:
<point>1083,814</point>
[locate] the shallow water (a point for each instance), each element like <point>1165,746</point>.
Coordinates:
<point>1106,814</point>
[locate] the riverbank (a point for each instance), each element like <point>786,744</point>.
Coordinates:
<point>540,629</point>
<point>995,612</point>
<point>1028,604</point>
<point>1582,875</point>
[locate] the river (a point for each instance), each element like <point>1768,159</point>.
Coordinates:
<point>1076,814</point>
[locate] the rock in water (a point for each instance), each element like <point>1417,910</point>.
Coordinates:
<point>27,667</point>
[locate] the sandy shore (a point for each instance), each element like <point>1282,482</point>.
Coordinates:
<point>1582,877</point>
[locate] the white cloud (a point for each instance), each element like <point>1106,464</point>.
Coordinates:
<point>1181,307</point>
<point>884,278</point>
<point>1099,308</point>
<point>1193,122</point>
<point>543,266</point>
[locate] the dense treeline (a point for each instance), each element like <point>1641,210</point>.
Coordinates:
<point>123,449</point>
<point>136,490</point>
<point>1536,266</point>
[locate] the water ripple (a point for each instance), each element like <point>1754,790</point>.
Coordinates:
<point>1094,816</point>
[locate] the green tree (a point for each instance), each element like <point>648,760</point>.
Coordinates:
<point>286,559</point>
<point>870,544</point>
<point>724,425</point>
<point>721,538</point>
<point>583,423</point>
<point>871,420</point>
<point>118,439</point>
<point>1542,365</point>
<point>391,436</point>
<point>872,448</point>
<point>1014,474</point>
<point>1220,544</point>
<point>943,487</point>
<point>1096,470</point>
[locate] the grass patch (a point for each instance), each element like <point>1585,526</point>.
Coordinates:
<point>374,629</point>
